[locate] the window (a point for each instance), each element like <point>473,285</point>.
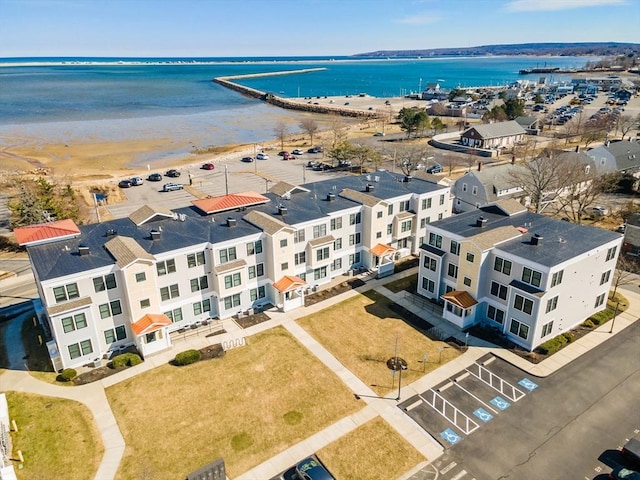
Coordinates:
<point>110,309</point>
<point>498,290</point>
<point>355,218</point>
<point>405,226</point>
<point>337,244</point>
<point>379,214</point>
<point>423,222</point>
<point>604,278</point>
<point>428,285</point>
<point>151,337</point>
<point>78,349</point>
<point>435,240</point>
<point>502,265</point>
<point>322,253</point>
<point>448,288</point>
<point>531,277</point>
<point>232,301</point>
<point>495,314</point>
<point>430,263</point>
<point>108,282</point>
<point>112,335</point>
<point>454,247</point>
<point>256,270</point>
<point>611,253</point>
<point>172,291</point>
<point>283,243</point>
<point>440,216</point>
<point>69,324</point>
<point>378,235</point>
<point>284,266</point>
<point>470,257</point>
<point>467,281</point>
<point>441,202</point>
<point>523,304</point>
<point>145,303</point>
<point>227,254</point>
<point>195,259</point>
<point>300,258</point>
<point>464,187</point>
<point>389,228</point>
<point>599,300</point>
<point>200,307</point>
<point>174,315</point>
<point>319,231</point>
<point>336,223</point>
<point>202,283</point>
<point>165,267</point>
<point>428,203</point>
<point>556,278</point>
<point>354,238</point>
<point>336,264</point>
<point>390,209</point>
<point>232,280</point>
<point>141,277</point>
<point>254,248</point>
<point>66,292</point>
<point>474,190</point>
<point>319,273</point>
<point>552,304</point>
<point>452,270</point>
<point>546,329</point>
<point>404,205</point>
<point>298,236</point>
<point>519,329</point>
<point>257,293</point>
<point>354,258</point>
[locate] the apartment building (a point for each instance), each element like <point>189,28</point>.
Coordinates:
<point>530,276</point>
<point>135,280</point>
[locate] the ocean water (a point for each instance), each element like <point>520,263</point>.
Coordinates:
<point>115,99</point>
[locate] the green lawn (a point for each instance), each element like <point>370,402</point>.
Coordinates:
<point>245,407</point>
<point>57,437</point>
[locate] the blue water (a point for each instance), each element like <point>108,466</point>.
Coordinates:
<point>89,98</point>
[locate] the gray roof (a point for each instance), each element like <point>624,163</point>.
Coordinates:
<point>561,241</point>
<point>126,250</point>
<point>626,153</point>
<point>526,122</point>
<point>497,130</point>
<point>148,213</point>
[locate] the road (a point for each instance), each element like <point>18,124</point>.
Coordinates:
<point>568,427</point>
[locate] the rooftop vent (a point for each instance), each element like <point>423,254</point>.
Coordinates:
<point>282,210</point>
<point>376,178</point>
<point>407,178</point>
<point>231,222</point>
<point>370,188</point>
<point>481,222</point>
<point>536,239</point>
<point>111,232</point>
<point>155,234</point>
<point>83,250</point>
<point>331,197</point>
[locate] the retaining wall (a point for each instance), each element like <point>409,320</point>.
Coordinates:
<point>443,140</point>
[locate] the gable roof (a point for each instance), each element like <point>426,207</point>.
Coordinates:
<point>288,283</point>
<point>360,197</point>
<point>147,213</point>
<point>229,202</point>
<point>381,249</point>
<point>126,250</point>
<point>496,130</point>
<point>266,222</point>
<point>526,122</point>
<point>460,298</point>
<point>150,323</point>
<point>46,232</point>
<point>283,189</point>
<point>626,153</point>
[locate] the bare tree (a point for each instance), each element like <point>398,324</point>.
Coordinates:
<point>281,131</point>
<point>541,178</point>
<point>625,273</point>
<point>580,187</point>
<point>362,154</point>
<point>310,126</point>
<point>411,157</point>
<point>339,130</point>
<point>626,123</point>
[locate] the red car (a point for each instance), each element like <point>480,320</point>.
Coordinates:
<point>208,166</point>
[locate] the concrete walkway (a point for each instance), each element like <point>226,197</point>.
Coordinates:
<point>93,395</point>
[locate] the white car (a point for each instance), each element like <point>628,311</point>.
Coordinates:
<point>136,181</point>
<point>598,211</point>
<point>297,151</point>
<point>262,156</point>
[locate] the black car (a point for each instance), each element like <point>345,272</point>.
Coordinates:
<point>247,159</point>
<point>437,168</point>
<point>621,473</point>
<point>154,177</point>
<point>173,173</point>
<point>125,183</point>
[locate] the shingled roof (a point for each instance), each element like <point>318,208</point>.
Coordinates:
<point>497,130</point>
<point>126,250</point>
<point>147,213</point>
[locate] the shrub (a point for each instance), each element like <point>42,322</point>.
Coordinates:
<point>67,375</point>
<point>126,360</point>
<point>187,357</point>
<point>602,317</point>
<point>589,324</point>
<point>552,346</point>
<point>569,336</point>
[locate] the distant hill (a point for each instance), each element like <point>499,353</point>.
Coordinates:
<point>562,49</point>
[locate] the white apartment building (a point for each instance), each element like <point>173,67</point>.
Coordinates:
<point>137,279</point>
<point>528,275</point>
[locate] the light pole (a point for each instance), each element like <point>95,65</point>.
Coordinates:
<point>615,314</point>
<point>397,364</point>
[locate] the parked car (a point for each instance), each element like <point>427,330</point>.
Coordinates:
<point>208,166</point>
<point>136,181</point>
<point>288,156</point>
<point>154,177</point>
<point>311,164</point>
<point>621,473</point>
<point>378,134</point>
<point>262,156</point>
<point>247,159</point>
<point>126,183</point>
<point>297,151</point>
<point>170,187</point>
<point>173,173</point>
<point>598,211</point>
<point>313,150</point>
<point>312,469</point>
<point>437,168</point>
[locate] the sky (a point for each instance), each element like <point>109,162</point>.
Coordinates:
<point>222,28</point>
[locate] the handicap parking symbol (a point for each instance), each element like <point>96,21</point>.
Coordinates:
<point>483,415</point>
<point>528,384</point>
<point>451,436</point>
<point>500,403</point>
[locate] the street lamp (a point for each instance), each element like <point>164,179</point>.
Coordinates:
<point>397,364</point>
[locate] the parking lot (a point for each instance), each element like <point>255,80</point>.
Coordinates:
<point>462,404</point>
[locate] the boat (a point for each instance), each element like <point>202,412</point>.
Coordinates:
<point>526,71</point>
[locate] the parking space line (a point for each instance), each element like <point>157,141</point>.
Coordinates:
<point>441,405</point>
<point>496,382</point>
<point>473,396</point>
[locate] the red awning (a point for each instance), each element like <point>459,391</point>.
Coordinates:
<point>150,323</point>
<point>288,283</point>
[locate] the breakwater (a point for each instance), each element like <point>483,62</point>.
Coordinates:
<point>282,102</point>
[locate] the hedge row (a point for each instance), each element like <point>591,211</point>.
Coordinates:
<point>556,343</point>
<point>126,360</point>
<point>187,357</point>
<point>602,317</point>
